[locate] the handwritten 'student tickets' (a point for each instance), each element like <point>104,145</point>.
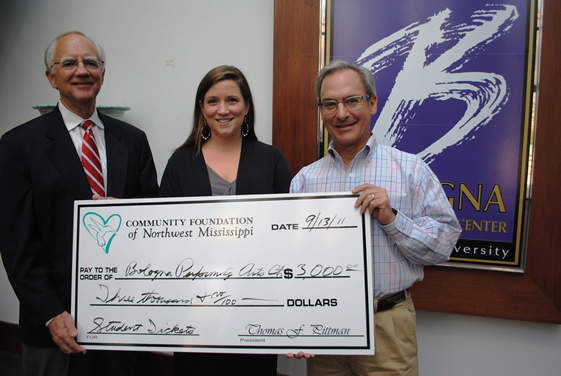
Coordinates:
<point>237,274</point>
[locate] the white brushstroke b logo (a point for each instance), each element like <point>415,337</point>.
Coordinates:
<point>425,75</point>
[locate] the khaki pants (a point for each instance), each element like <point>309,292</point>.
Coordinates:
<point>396,348</point>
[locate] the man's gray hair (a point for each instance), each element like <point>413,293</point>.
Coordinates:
<point>50,52</point>
<point>340,65</point>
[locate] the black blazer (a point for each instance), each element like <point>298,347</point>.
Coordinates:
<point>262,170</point>
<point>41,176</point>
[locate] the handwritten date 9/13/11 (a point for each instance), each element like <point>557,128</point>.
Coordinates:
<point>321,222</point>
<point>315,222</point>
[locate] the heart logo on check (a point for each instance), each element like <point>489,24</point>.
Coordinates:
<point>103,231</point>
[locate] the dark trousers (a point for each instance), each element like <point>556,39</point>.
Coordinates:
<point>204,364</point>
<point>50,361</point>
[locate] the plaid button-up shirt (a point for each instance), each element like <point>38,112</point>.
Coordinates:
<point>425,229</point>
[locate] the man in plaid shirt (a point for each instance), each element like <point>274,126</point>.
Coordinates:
<point>413,223</point>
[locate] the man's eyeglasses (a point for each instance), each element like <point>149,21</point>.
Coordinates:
<point>71,63</point>
<point>351,103</point>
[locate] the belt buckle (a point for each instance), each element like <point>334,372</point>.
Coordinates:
<point>389,302</point>
<point>384,305</point>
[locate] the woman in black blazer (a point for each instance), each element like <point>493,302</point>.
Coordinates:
<point>222,156</point>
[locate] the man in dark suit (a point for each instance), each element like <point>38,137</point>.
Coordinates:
<point>41,177</point>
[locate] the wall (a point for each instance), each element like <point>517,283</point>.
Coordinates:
<point>157,51</point>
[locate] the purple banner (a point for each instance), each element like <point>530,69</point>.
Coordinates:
<point>453,80</point>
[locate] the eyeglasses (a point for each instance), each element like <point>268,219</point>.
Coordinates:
<point>351,103</point>
<point>68,64</point>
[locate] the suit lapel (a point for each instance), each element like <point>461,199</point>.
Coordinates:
<point>117,158</point>
<point>64,157</point>
<point>245,169</point>
<point>199,177</point>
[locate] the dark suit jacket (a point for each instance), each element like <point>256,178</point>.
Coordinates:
<point>262,170</point>
<point>41,176</point>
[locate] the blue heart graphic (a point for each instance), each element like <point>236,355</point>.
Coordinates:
<point>103,231</point>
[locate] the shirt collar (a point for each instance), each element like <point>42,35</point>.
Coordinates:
<point>71,120</point>
<point>365,152</point>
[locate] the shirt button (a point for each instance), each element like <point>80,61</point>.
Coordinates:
<point>351,174</point>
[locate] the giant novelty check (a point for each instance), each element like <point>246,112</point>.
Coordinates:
<point>251,274</point>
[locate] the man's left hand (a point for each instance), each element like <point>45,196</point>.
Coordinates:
<point>375,199</point>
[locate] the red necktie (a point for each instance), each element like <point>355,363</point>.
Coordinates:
<point>91,160</point>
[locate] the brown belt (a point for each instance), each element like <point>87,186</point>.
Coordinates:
<point>389,302</point>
